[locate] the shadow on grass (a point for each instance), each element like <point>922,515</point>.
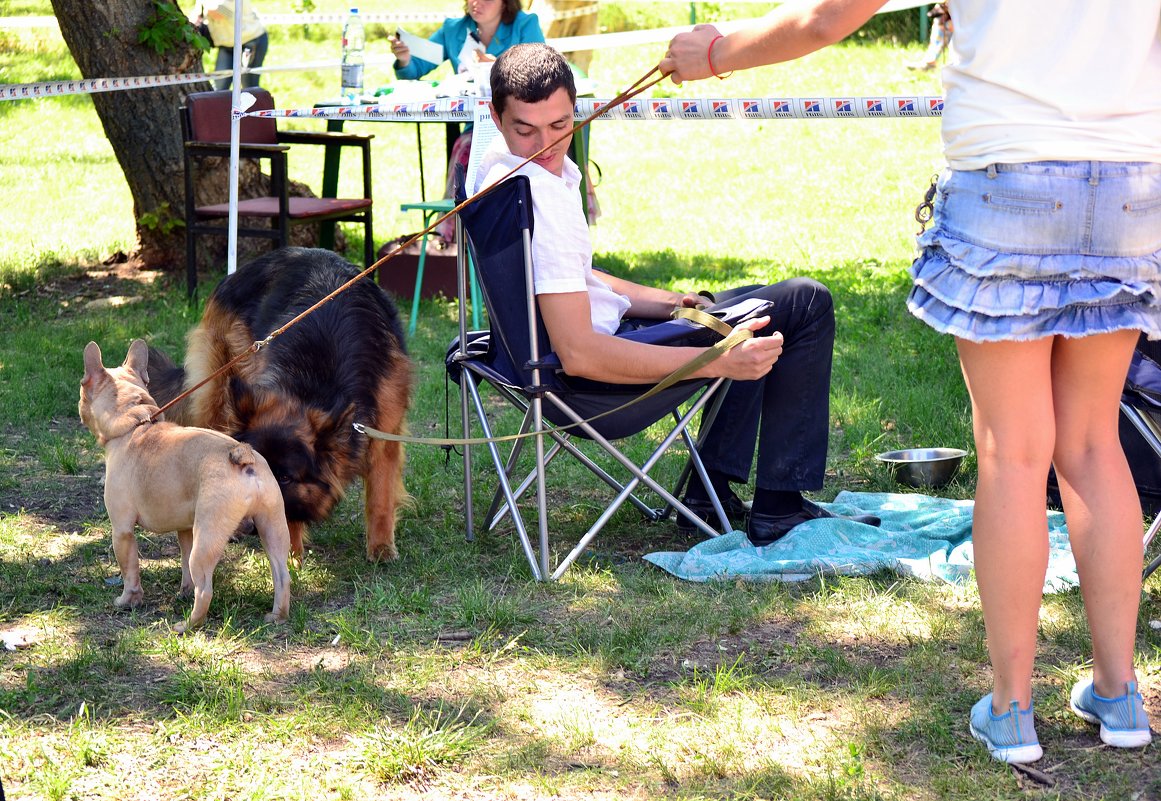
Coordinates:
<point>857,683</point>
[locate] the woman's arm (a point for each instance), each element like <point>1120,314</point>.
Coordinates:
<point>416,68</point>
<point>788,32</point>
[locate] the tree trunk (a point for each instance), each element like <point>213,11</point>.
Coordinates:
<point>143,125</point>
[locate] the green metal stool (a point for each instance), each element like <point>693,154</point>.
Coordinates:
<point>432,210</point>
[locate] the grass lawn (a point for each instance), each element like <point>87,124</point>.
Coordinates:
<point>449,673</point>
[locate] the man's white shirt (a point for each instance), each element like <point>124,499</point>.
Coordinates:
<point>562,254</point>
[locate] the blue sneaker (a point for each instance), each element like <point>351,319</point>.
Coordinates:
<point>1124,722</point>
<point>1010,737</point>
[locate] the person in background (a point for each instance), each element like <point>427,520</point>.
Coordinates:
<point>215,21</point>
<point>1044,261</point>
<point>571,18</point>
<point>487,29</point>
<point>937,41</point>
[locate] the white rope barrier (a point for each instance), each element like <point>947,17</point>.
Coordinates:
<point>25,91</point>
<point>459,109</point>
<point>22,91</point>
<point>390,17</point>
<point>45,21</point>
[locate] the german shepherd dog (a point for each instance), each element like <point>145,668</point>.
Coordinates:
<point>296,400</point>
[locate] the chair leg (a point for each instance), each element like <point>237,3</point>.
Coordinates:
<point>475,293</point>
<point>1154,527</point>
<point>191,265</point>
<point>418,282</point>
<point>368,242</point>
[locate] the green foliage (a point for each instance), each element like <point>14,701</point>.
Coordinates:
<point>168,28</point>
<point>161,219</point>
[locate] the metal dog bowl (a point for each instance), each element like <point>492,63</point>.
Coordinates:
<point>923,467</point>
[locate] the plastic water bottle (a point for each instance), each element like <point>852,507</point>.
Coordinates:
<point>353,42</point>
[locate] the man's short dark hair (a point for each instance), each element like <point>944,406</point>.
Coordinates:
<point>530,73</point>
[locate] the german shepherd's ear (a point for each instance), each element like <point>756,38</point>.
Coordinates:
<point>333,431</point>
<point>94,368</point>
<point>336,428</point>
<point>244,400</point>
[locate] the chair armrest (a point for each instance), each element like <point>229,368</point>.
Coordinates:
<point>223,149</point>
<point>325,138</point>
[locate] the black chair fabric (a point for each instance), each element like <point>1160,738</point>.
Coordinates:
<point>493,225</point>
<point>496,227</point>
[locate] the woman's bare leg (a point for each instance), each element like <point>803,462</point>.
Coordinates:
<point>1100,499</point>
<point>1013,422</point>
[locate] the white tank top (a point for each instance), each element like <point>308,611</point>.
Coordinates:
<point>1053,80</point>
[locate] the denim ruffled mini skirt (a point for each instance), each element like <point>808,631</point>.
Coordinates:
<point>1024,251</point>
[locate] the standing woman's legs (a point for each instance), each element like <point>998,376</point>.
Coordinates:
<point>224,61</point>
<point>1099,497</point>
<point>1010,388</point>
<point>257,50</point>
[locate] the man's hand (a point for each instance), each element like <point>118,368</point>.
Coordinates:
<point>402,52</point>
<point>753,358</point>
<point>687,58</point>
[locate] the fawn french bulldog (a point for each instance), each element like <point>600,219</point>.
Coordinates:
<point>165,477</point>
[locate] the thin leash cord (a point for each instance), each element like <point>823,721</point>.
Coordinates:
<point>637,88</point>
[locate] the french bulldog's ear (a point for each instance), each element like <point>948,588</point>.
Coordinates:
<point>93,365</point>
<point>138,359</point>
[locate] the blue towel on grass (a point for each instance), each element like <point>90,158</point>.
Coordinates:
<point>921,536</point>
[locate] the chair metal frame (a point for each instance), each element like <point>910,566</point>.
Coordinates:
<point>1141,406</point>
<point>261,139</point>
<point>1150,431</point>
<point>466,363</point>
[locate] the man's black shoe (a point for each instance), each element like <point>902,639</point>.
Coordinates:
<point>764,529</point>
<point>736,510</point>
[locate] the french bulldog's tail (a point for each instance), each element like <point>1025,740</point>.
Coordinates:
<point>242,455</point>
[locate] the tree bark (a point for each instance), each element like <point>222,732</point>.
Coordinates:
<point>143,125</point>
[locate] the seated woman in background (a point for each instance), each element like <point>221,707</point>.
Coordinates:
<point>487,29</point>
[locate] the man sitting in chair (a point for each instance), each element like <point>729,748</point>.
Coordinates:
<point>780,395</point>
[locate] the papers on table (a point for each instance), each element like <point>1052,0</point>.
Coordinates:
<point>420,47</point>
<point>483,132</point>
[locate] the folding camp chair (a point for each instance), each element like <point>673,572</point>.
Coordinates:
<point>1141,406</point>
<point>514,357</point>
